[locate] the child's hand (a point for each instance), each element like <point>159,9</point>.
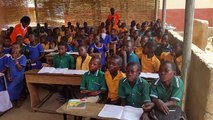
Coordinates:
<point>148,106</point>
<point>1,74</point>
<point>162,106</point>
<point>45,65</point>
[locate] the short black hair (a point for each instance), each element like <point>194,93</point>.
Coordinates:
<point>16,43</point>
<point>25,19</point>
<point>151,45</point>
<point>134,64</point>
<point>97,58</point>
<point>174,68</point>
<point>117,57</point>
<point>62,43</point>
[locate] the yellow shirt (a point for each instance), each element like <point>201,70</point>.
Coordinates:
<point>123,30</point>
<point>179,62</point>
<point>70,40</point>
<point>46,47</point>
<point>84,65</point>
<point>150,65</point>
<point>166,56</point>
<point>113,83</point>
<point>139,52</point>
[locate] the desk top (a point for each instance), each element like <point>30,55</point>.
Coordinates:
<point>92,110</point>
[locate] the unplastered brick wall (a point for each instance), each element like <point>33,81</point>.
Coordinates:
<point>58,12</point>
<point>11,11</point>
<point>199,99</point>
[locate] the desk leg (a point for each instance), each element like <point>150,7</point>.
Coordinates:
<point>65,116</point>
<point>34,96</point>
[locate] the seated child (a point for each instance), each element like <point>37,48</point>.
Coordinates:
<point>20,40</point>
<point>98,47</point>
<point>62,59</point>
<point>164,46</point>
<point>93,82</point>
<point>45,44</point>
<point>3,61</point>
<point>16,67</point>
<point>123,28</point>
<point>178,56</point>
<point>139,50</point>
<point>6,45</point>
<point>128,54</point>
<point>115,38</point>
<point>136,39</point>
<point>167,91</point>
<point>149,61</point>
<point>105,38</point>
<point>36,53</point>
<point>133,90</point>
<point>64,39</point>
<point>159,35</point>
<point>112,76</point>
<point>148,33</point>
<point>82,61</point>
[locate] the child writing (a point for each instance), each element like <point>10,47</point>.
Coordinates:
<point>82,61</point>
<point>98,47</point>
<point>149,61</point>
<point>112,76</point>
<point>36,53</point>
<point>93,81</point>
<point>134,90</point>
<point>167,91</point>
<point>16,66</point>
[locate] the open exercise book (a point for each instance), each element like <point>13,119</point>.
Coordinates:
<point>61,71</point>
<point>121,112</point>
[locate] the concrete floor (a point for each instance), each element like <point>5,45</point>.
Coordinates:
<point>24,112</point>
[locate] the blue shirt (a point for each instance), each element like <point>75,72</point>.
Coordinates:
<point>35,52</point>
<point>132,58</point>
<point>3,62</point>
<point>102,50</point>
<point>107,39</point>
<point>7,50</point>
<point>11,64</point>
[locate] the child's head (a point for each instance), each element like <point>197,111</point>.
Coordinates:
<point>123,25</point>
<point>114,63</point>
<point>135,34</point>
<point>94,64</point>
<point>113,32</point>
<point>42,30</point>
<point>69,24</point>
<point>160,32</point>
<point>63,28</point>
<point>16,47</point>
<point>133,23</point>
<point>138,26</point>
<point>148,33</point>
<point>43,39</point>
<point>62,48</point>
<point>81,32</point>
<point>103,30</point>
<point>49,32</point>
<point>96,39</point>
<point>82,50</point>
<point>167,71</point>
<point>46,25</point>
<point>133,70</point>
<point>85,24</point>
<point>112,10</point>
<point>144,40</point>
<point>165,40</point>
<point>149,48</point>
<point>128,46</point>
<point>6,41</point>
<point>32,38</point>
<point>56,31</point>
<point>25,21</point>
<point>178,49</point>
<point>19,39</point>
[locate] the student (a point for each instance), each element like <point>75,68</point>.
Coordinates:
<point>93,82</point>
<point>134,90</point>
<point>56,35</point>
<point>16,66</point>
<point>149,61</point>
<point>6,45</point>
<point>148,33</point>
<point>159,36</point>
<point>139,50</point>
<point>82,61</point>
<point>49,35</point>
<point>113,25</point>
<point>62,59</point>
<point>177,55</point>
<point>123,28</point>
<point>98,47</point>
<point>115,38</point>
<point>45,44</point>
<point>3,61</point>
<point>167,91</point>
<point>136,39</point>
<point>164,46</point>
<point>112,76</point>
<point>65,39</point>
<point>36,53</point>
<point>105,38</point>
<point>128,54</point>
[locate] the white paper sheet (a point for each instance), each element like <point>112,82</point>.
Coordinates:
<point>111,111</point>
<point>77,72</point>
<point>149,75</point>
<point>131,113</point>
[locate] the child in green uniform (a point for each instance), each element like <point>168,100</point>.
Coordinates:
<point>93,82</point>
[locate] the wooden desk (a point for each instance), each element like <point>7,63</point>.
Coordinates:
<point>92,110</point>
<point>33,78</point>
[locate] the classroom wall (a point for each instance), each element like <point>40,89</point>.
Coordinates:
<point>199,100</point>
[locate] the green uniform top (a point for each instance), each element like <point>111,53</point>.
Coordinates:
<point>65,61</point>
<point>135,96</point>
<point>175,92</point>
<point>132,58</point>
<point>93,81</point>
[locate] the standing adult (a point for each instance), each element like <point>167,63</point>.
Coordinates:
<point>114,15</point>
<point>20,29</point>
